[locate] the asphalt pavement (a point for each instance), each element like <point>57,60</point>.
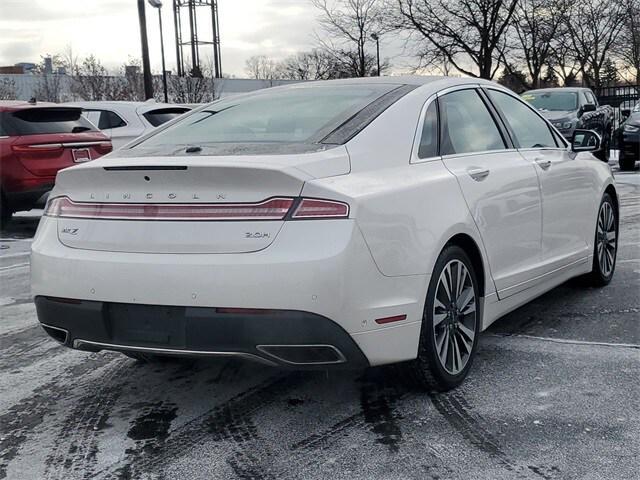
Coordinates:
<point>554,394</point>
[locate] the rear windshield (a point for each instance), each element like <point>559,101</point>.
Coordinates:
<point>158,117</point>
<point>37,121</point>
<point>552,101</point>
<point>294,115</point>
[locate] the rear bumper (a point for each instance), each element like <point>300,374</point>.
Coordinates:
<point>200,331</point>
<point>323,268</point>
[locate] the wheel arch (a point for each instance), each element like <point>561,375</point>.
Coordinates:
<point>471,248</point>
<point>611,190</point>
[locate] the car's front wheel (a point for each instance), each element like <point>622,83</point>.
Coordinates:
<point>606,243</point>
<point>450,324</point>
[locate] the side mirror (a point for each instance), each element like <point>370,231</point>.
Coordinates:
<point>626,113</point>
<point>587,107</point>
<point>585,141</point>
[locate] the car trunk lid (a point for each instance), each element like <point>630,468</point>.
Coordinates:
<point>184,205</point>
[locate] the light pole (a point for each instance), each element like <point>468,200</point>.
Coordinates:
<point>146,67</point>
<point>376,37</point>
<point>158,4</point>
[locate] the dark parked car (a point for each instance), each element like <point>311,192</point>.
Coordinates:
<point>629,139</point>
<point>569,109</point>
<point>37,140</point>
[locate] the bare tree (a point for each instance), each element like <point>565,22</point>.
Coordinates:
<point>313,65</point>
<point>70,60</point>
<point>563,62</point>
<point>348,25</point>
<point>92,81</point>
<point>48,88</point>
<point>594,27</point>
<point>191,89</point>
<point>535,24</point>
<point>7,89</point>
<point>469,34</point>
<point>262,67</point>
<point>629,41</point>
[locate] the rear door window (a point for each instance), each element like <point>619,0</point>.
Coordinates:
<point>39,121</point>
<point>467,125</point>
<point>109,119</point>
<point>530,130</point>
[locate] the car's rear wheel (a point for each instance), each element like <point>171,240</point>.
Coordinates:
<point>606,243</point>
<point>450,324</point>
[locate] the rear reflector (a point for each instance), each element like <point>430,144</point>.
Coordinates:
<point>395,318</point>
<point>272,209</point>
<point>316,208</point>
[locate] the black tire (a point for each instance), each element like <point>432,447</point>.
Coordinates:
<point>627,163</point>
<point>5,212</point>
<point>603,270</point>
<point>427,372</point>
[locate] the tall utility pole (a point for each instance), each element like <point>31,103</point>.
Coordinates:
<point>376,37</point>
<point>158,4</point>
<point>146,66</point>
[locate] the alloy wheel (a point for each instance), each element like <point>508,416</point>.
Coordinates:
<point>606,239</point>
<point>454,317</point>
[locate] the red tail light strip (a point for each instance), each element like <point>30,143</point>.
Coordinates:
<point>272,209</point>
<point>316,208</point>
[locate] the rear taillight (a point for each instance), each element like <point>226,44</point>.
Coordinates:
<point>104,147</point>
<point>42,149</point>
<point>309,208</point>
<point>271,209</point>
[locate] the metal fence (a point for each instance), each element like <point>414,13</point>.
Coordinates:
<point>618,97</point>
<point>622,99</point>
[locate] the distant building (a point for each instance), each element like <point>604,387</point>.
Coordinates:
<point>11,70</point>
<point>27,67</point>
<point>48,66</point>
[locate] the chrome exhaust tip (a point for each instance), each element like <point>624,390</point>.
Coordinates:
<point>304,354</point>
<point>60,335</point>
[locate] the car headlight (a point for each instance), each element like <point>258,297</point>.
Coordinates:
<point>562,125</point>
<point>631,129</point>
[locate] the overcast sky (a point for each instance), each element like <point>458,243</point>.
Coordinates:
<point>109,30</point>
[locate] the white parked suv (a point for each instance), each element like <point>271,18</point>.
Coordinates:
<point>352,222</point>
<point>126,121</point>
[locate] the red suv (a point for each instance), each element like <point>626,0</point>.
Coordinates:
<point>37,140</point>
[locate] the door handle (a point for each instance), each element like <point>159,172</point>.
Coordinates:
<point>478,174</point>
<point>544,163</point>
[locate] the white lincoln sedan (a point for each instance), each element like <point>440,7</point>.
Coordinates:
<point>353,222</point>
